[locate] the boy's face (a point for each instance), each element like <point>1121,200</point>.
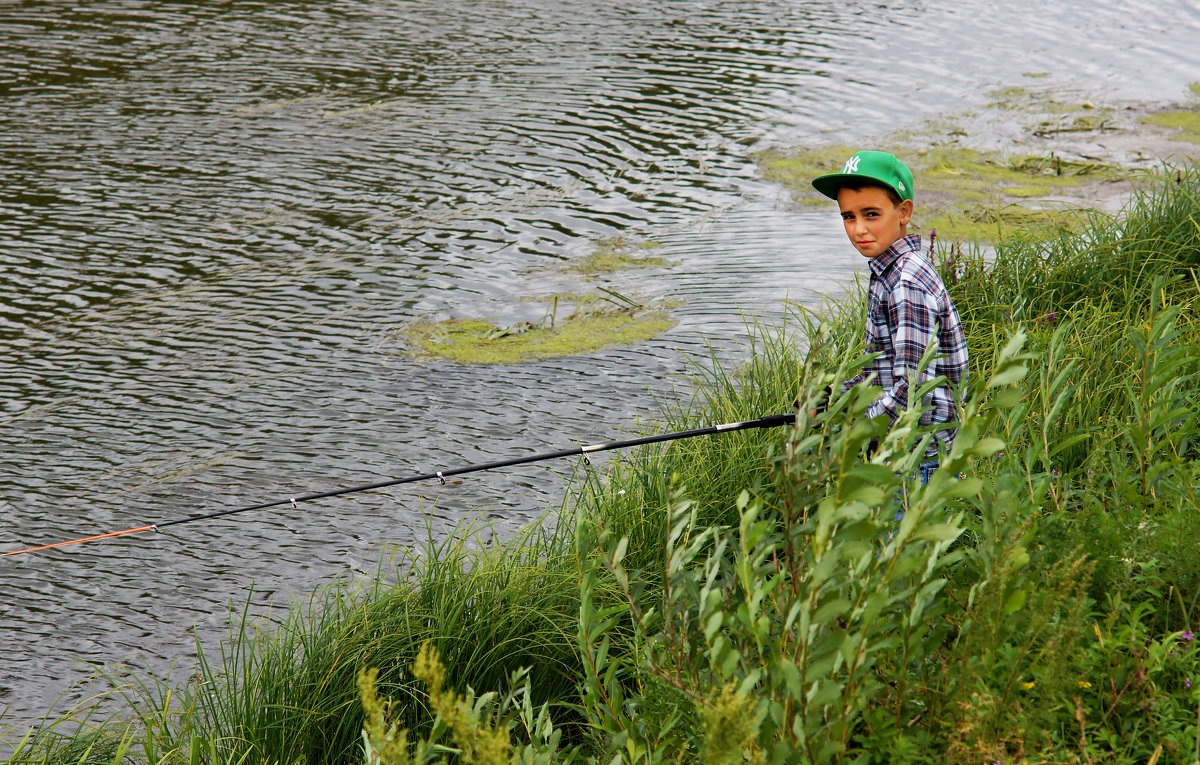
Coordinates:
<point>872,222</point>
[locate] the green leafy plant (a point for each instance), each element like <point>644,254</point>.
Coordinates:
<point>466,729</point>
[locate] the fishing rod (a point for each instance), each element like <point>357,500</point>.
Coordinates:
<point>769,421</point>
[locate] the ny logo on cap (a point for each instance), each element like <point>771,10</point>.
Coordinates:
<point>851,165</point>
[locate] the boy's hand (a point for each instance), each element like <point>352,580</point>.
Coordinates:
<point>821,404</point>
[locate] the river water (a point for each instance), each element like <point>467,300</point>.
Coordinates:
<point>214,217</point>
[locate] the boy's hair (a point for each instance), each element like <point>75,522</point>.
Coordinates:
<point>859,185</point>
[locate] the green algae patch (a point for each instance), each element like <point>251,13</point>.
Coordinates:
<point>949,174</point>
<point>797,167</point>
<point>572,305</point>
<point>617,253</point>
<point>963,193</point>
<point>1024,99</point>
<point>1037,102</point>
<point>1186,123</point>
<point>1011,166</point>
<point>1044,113</point>
<point>973,196</point>
<point>589,328</point>
<point>1028,190</point>
<point>993,223</point>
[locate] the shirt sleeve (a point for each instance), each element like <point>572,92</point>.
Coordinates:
<point>912,321</point>
<point>848,384</point>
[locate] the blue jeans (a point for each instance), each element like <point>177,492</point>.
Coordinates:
<point>925,471</point>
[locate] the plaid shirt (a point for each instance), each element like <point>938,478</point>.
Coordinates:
<point>907,305</point>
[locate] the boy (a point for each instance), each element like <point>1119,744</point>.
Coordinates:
<point>907,304</point>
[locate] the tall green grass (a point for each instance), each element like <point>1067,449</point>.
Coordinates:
<point>1036,609</point>
<point>1115,315</point>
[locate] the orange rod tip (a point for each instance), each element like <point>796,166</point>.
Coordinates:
<point>77,541</point>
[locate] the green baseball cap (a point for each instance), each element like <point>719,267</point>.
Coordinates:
<point>878,166</point>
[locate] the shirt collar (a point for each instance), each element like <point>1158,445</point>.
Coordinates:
<point>901,247</point>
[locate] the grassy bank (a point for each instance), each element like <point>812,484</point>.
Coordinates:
<point>749,597</point>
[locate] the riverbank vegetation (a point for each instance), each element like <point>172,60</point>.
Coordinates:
<point>751,598</point>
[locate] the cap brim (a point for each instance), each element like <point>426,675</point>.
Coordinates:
<point>829,184</point>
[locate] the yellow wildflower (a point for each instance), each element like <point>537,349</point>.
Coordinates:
<point>1084,684</point>
<point>1028,685</point>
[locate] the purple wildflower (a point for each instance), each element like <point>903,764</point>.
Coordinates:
<point>1047,320</point>
<point>1187,636</point>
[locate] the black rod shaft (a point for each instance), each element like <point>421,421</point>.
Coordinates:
<point>769,421</point>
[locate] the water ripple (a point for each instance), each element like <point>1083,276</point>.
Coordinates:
<point>213,219</point>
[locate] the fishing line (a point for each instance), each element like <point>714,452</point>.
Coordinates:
<point>769,421</point>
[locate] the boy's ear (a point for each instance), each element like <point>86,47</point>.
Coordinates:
<point>906,211</point>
